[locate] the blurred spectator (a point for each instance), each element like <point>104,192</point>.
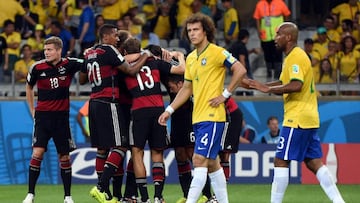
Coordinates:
<point>86,29</point>
<point>248,133</point>
<point>13,40</point>
<point>321,44</point>
<point>71,15</point>
<point>345,10</point>
<point>22,25</point>
<point>36,41</point>
<point>240,52</point>
<point>349,61</point>
<point>147,37</point>
<point>326,76</point>
<point>111,10</point>
<point>9,9</point>
<point>184,11</point>
<point>314,56</point>
<point>99,21</point>
<point>56,29</point>
<point>138,19</point>
<point>231,22</point>
<point>199,6</point>
<point>332,55</point>
<point>4,58</point>
<point>23,65</point>
<point>331,32</point>
<point>273,137</point>
<point>114,9</point>
<point>269,14</point>
<point>161,22</point>
<point>47,11</point>
<point>347,28</point>
<point>121,24</point>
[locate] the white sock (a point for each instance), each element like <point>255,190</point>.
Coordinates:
<point>279,184</point>
<point>197,184</point>
<point>328,185</point>
<point>218,183</point>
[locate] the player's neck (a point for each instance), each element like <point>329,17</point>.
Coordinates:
<point>202,46</point>
<point>290,48</point>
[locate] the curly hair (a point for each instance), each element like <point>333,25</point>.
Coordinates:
<point>206,22</point>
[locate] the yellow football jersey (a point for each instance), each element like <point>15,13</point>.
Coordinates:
<point>206,71</point>
<point>300,108</point>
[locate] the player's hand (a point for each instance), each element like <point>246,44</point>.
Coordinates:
<point>163,118</point>
<point>259,86</point>
<point>215,102</point>
<point>166,55</point>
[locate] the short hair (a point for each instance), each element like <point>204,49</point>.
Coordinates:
<point>271,118</point>
<point>243,33</point>
<point>123,35</point>
<point>308,41</point>
<point>206,22</point>
<point>57,24</point>
<point>55,41</point>
<point>25,46</point>
<point>132,45</point>
<point>8,22</point>
<point>106,29</point>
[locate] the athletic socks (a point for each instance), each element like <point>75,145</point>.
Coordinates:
<point>184,171</point>
<point>279,184</point>
<point>130,187</point>
<point>158,174</point>
<point>65,168</point>
<point>34,172</point>
<point>197,183</point>
<point>328,185</point>
<point>218,183</point>
<point>100,163</point>
<point>117,180</point>
<point>142,186</point>
<point>206,191</point>
<point>226,167</point>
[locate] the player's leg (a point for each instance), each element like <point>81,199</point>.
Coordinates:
<point>130,182</point>
<point>314,163</point>
<point>184,169</point>
<point>137,155</point>
<point>64,145</point>
<point>218,180</point>
<point>34,172</point>
<point>158,142</point>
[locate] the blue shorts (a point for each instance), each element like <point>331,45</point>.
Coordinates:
<point>209,138</point>
<point>298,144</point>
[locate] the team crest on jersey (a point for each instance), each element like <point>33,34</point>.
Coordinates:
<point>62,70</point>
<point>203,61</point>
<point>295,68</point>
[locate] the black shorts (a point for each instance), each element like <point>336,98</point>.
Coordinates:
<point>56,126</point>
<point>146,128</point>
<point>182,133</point>
<point>231,143</point>
<point>107,125</point>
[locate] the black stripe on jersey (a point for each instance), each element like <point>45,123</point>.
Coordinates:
<point>59,93</point>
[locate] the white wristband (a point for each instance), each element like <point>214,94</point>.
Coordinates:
<point>169,109</point>
<point>226,93</point>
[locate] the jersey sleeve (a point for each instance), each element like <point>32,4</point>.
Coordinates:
<point>227,58</point>
<point>164,66</point>
<point>115,58</point>
<point>31,77</point>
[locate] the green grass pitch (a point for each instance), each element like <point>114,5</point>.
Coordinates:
<point>238,193</point>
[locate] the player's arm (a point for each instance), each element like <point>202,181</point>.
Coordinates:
<point>180,68</point>
<point>181,97</point>
<point>277,87</point>
<point>135,68</point>
<point>30,98</point>
<point>239,73</point>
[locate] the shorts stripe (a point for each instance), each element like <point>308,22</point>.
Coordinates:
<point>286,157</point>
<point>212,139</point>
<point>116,125</point>
<point>131,134</point>
<point>223,136</point>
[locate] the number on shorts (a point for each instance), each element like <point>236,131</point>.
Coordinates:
<point>281,143</point>
<point>204,139</point>
<point>192,137</point>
